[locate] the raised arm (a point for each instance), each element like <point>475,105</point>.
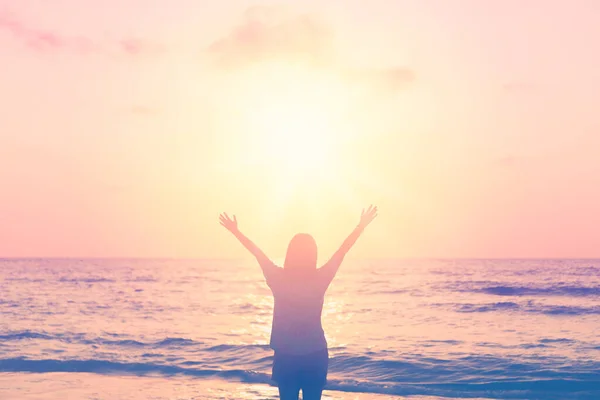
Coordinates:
<point>330,268</point>
<point>267,266</point>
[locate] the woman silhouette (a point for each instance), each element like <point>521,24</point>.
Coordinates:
<point>297,337</point>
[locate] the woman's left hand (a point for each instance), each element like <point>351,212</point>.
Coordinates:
<point>368,216</point>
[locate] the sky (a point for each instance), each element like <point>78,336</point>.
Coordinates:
<point>126,127</point>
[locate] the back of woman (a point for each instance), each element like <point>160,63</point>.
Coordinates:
<point>301,358</point>
<point>298,294</point>
<point>297,313</point>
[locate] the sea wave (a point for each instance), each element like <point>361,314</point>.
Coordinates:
<point>25,335</point>
<point>527,307</point>
<point>86,280</point>
<point>497,289</point>
<point>575,291</point>
<point>20,364</point>
<point>531,383</point>
<point>80,338</point>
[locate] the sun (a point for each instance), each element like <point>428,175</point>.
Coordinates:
<point>298,139</point>
<point>291,117</point>
<point>291,137</point>
<point>291,144</point>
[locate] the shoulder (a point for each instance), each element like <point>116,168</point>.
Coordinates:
<point>273,274</point>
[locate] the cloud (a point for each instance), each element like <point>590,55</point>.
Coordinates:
<point>272,33</point>
<point>46,40</point>
<point>135,47</point>
<point>34,38</point>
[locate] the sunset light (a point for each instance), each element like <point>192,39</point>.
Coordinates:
<point>295,130</point>
<point>326,200</point>
<point>293,117</point>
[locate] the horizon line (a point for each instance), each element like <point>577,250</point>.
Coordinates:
<point>8,258</point>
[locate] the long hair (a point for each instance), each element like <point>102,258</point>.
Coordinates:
<point>301,254</point>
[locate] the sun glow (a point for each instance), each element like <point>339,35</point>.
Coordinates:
<point>293,134</point>
<point>299,141</point>
<point>293,119</point>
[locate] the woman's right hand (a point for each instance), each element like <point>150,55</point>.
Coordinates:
<point>228,223</point>
<point>367,216</point>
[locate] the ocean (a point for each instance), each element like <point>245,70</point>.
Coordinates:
<point>199,329</point>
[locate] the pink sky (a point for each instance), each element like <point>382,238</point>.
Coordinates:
<point>479,133</point>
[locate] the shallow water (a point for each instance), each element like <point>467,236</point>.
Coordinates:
<point>183,329</point>
<point>60,386</point>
